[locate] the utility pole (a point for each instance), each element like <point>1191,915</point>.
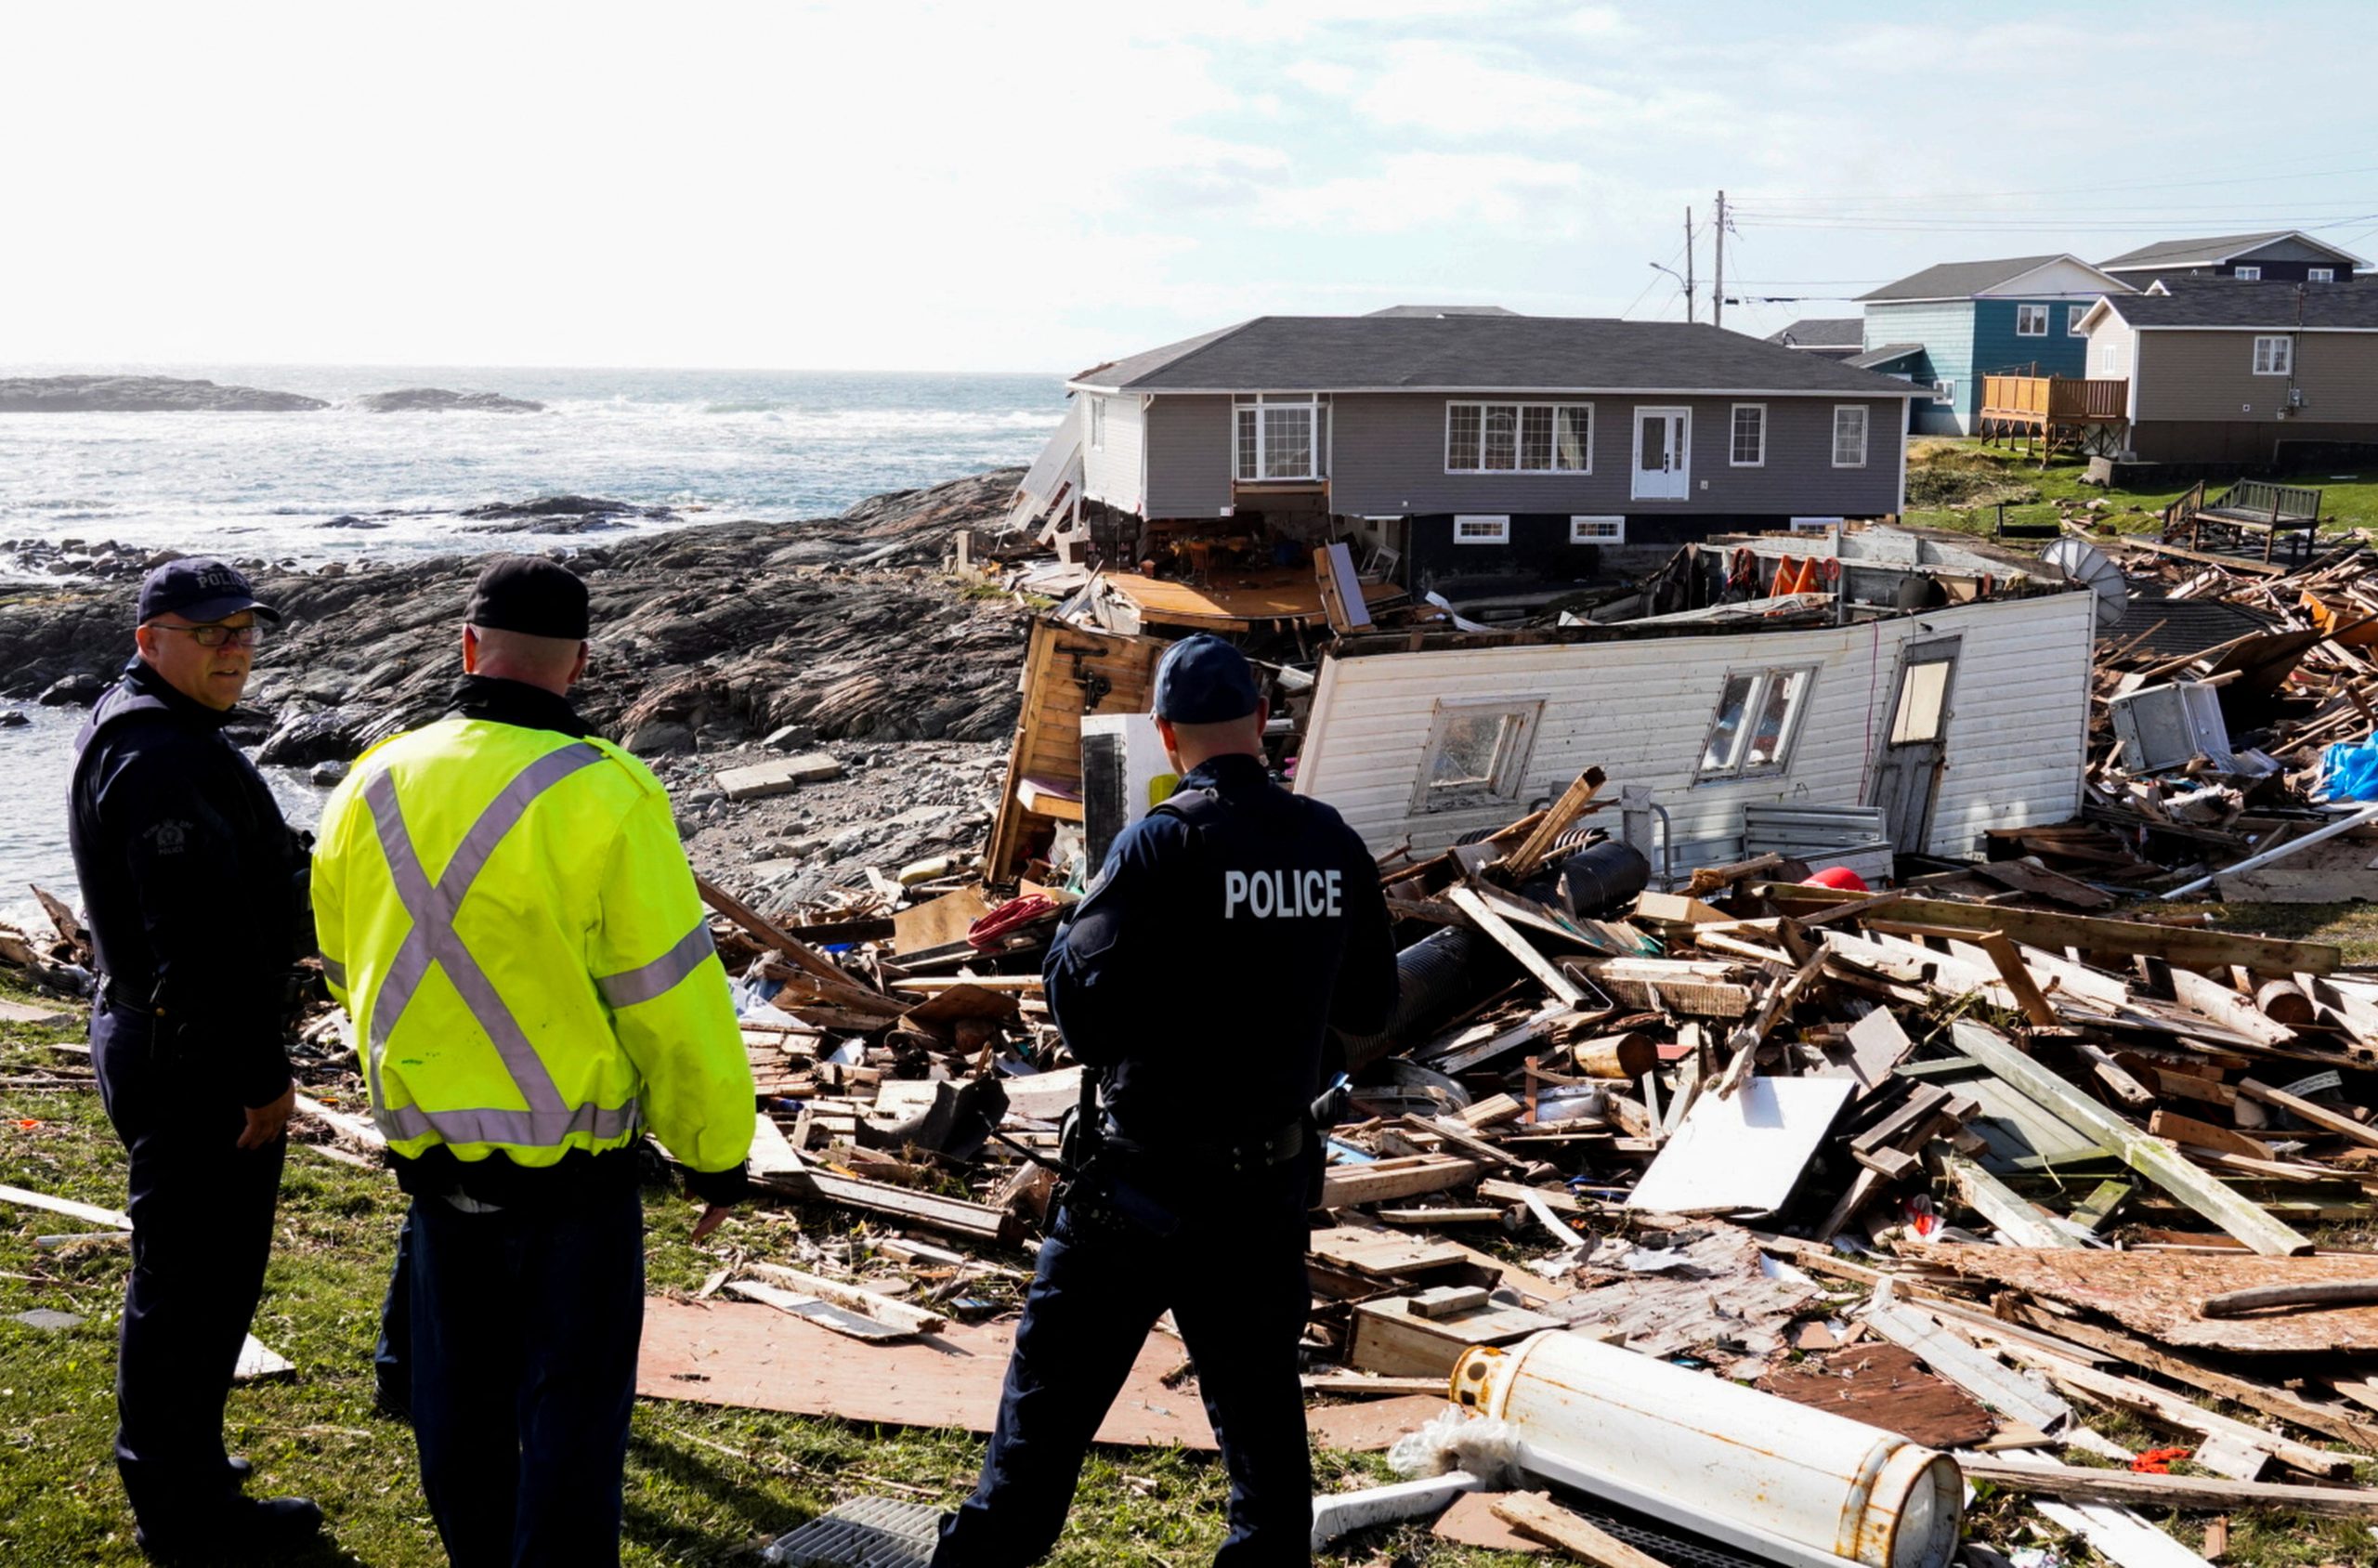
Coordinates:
<point>1687,264</point>
<point>1717,290</point>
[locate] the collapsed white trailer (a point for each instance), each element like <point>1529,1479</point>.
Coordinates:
<point>1954,720</point>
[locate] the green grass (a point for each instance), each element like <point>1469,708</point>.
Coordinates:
<point>704,1485</point>
<point>1968,476</point>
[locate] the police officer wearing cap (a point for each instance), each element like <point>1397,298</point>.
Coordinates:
<point>505,910</point>
<point>189,875</point>
<point>1228,929</point>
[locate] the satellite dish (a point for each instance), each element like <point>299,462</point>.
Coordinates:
<point>2081,562</point>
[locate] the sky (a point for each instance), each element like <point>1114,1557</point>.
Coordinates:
<point>1030,185</point>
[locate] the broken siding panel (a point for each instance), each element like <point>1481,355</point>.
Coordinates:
<point>1111,470</point>
<point>1641,709</point>
<point>1389,458</point>
<point>1188,457</point>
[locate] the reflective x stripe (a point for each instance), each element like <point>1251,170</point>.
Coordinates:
<point>649,980</point>
<point>433,940</point>
<point>527,1128</point>
<point>335,971</point>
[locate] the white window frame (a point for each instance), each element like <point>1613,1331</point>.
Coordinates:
<point>1739,766</point>
<point>2030,313</point>
<point>2073,316</point>
<point>1519,420</point>
<point>1597,530</point>
<point>2274,354</point>
<point>2320,274</point>
<point>1946,390</point>
<point>2247,274</point>
<point>1866,419</point>
<point>1314,403</point>
<point>1816,525</point>
<point>1499,532</point>
<point>1098,423</point>
<point>1509,773</point>
<point>1733,436</point>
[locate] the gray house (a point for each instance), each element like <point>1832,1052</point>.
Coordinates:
<point>1469,446</point>
<point>2257,373</point>
<point>1833,337</point>
<point>2279,255</point>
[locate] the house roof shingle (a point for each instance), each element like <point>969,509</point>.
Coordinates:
<point>1822,332</point>
<point>1883,356</point>
<point>1481,354</point>
<point>2210,250</point>
<point>1435,310</point>
<point>1959,280</point>
<point>2224,302</point>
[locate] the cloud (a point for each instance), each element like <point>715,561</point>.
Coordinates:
<point>1421,191</point>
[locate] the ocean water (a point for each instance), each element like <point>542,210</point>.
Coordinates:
<point>715,444</point>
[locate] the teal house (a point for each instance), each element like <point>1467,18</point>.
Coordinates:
<point>1948,326</point>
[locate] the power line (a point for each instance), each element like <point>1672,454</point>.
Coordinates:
<point>2065,189</point>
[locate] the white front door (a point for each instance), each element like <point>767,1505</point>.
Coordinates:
<point>1662,454</point>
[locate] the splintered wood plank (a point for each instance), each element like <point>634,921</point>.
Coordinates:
<point>2194,946</point>
<point>1535,1513</point>
<point>2151,1157</point>
<point>26,1198</point>
<point>2157,1293</point>
<point>1883,1385</point>
<point>1972,1370</point>
<point>1471,1523</point>
<point>2200,1493</point>
<point>1383,1254</point>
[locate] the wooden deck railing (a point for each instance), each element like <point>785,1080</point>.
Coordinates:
<point>2053,400</point>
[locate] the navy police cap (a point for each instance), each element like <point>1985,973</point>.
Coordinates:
<point>199,589</point>
<point>532,595</point>
<point>1203,679</point>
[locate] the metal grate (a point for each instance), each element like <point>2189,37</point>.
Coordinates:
<point>1653,1537</point>
<point>863,1532</point>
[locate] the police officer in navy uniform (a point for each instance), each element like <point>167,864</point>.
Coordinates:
<point>189,875</point>
<point>1228,931</point>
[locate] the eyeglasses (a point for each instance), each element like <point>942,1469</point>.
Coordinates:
<point>217,636</point>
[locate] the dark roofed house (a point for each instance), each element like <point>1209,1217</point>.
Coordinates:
<point>1435,310</point>
<point>1464,446</point>
<point>1831,337</point>
<point>2273,256</point>
<point>1950,325</point>
<point>2225,371</point>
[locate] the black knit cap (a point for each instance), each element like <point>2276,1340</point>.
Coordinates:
<point>531,596</point>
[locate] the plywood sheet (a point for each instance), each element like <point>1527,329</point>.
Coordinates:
<point>2156,1294</point>
<point>1886,1386</point>
<point>1237,597</point>
<point>757,1358</point>
<point>1383,1254</point>
<point>938,923</point>
<point>1744,1152</point>
<point>1471,1523</point>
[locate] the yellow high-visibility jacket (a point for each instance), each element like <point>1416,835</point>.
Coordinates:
<point>507,915</point>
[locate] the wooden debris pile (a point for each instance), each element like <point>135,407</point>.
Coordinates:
<point>2218,695</point>
<point>1964,1159</point>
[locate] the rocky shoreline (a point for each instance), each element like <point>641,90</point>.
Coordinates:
<point>166,394</point>
<point>831,633</point>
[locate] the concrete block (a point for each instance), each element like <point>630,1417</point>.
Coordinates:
<point>763,779</point>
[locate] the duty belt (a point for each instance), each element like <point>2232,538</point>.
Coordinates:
<point>1277,1147</point>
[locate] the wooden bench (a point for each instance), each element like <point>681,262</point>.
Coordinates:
<point>2246,508</point>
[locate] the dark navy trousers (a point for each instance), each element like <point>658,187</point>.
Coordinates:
<point>391,1354</point>
<point>524,1326</point>
<point>202,1213</point>
<point>1233,1278</point>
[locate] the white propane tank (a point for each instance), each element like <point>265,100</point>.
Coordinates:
<point>1736,1464</point>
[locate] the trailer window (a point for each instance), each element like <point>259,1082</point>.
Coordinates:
<point>1757,719</point>
<point>1478,753</point>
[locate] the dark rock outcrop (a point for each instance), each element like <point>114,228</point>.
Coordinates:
<point>703,636</point>
<point>562,513</point>
<point>438,400</point>
<point>141,393</point>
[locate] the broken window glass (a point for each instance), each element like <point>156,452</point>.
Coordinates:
<point>1726,731</point>
<point>1773,733</point>
<point>1477,753</point>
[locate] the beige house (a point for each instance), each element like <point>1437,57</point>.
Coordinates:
<point>2257,374</point>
